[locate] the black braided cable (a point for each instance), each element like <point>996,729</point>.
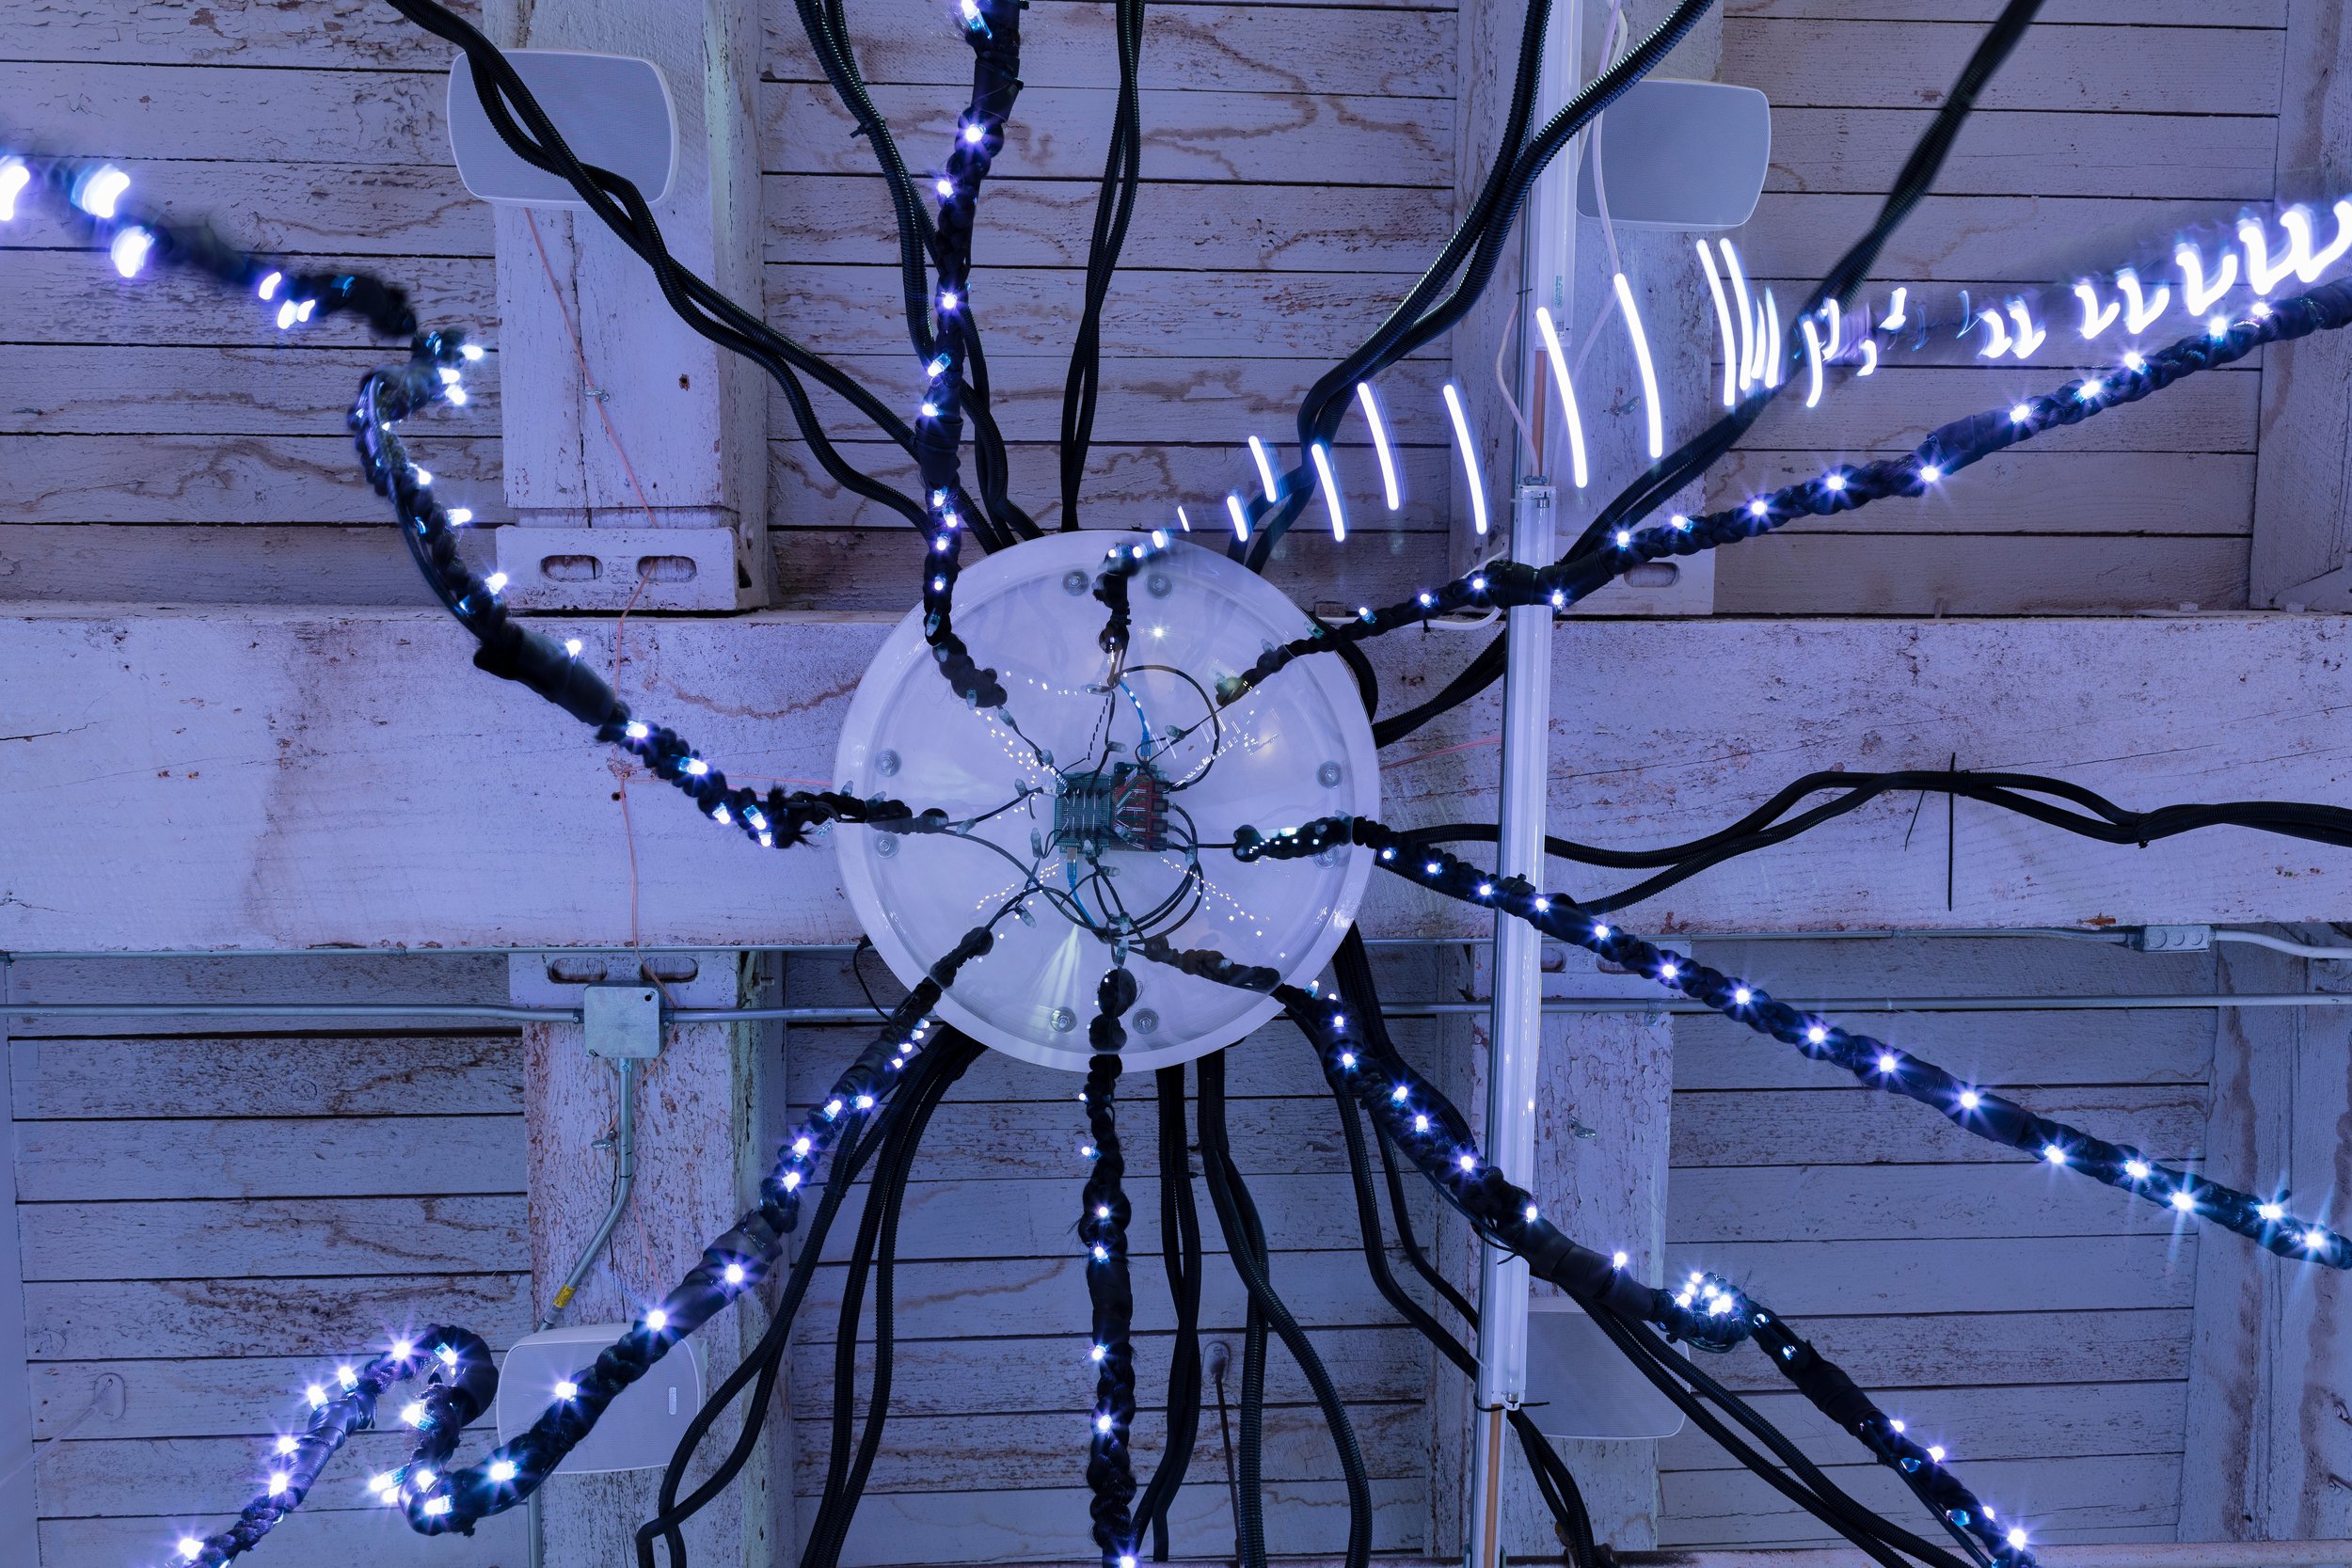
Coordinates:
<point>1873,1061</point>
<point>1102,1218</point>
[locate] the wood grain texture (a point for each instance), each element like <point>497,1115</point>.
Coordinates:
<point>1383,51</point>
<point>212,564</point>
<point>283,1075</point>
<point>1716,1205</point>
<point>405,215</point>
<point>2148,70</point>
<point>69,296</point>
<point>199,1157</point>
<point>2183,13</point>
<point>282,389</point>
<point>1895,409</point>
<point>375,1536</point>
<point>2031,492</point>
<point>1978,1424</point>
<point>2100,1494</point>
<point>1793,1127</point>
<point>242,112</point>
<point>338,34</point>
<point>1999,238</point>
<point>1810,1280</point>
<point>1823,574</point>
<point>265,1238</point>
<point>260,1317</point>
<point>249,479</point>
<point>2028,153</point>
<point>1063,133</point>
<point>1245,315</point>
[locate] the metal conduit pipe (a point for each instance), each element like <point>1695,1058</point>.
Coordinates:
<point>2141,1554</point>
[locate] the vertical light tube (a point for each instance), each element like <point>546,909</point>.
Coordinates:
<point>1184,520</point>
<point>1649,374</point>
<point>1241,518</point>
<point>1380,445</point>
<point>1747,317</point>
<point>1470,458</point>
<point>1265,470</point>
<point>1567,394</point>
<point>1723,325</point>
<point>1321,455</point>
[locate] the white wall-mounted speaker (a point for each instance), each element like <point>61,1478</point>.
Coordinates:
<point>614,110</point>
<point>640,1430</point>
<point>1680,155</point>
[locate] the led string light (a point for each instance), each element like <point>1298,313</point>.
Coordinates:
<point>1103,1219</point>
<point>1873,1061</point>
<point>1947,449</point>
<point>462,1378</point>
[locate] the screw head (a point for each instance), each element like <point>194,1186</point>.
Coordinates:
<point>886,844</point>
<point>1073,583</point>
<point>1157,585</point>
<point>888,765</point>
<point>1064,1021</point>
<point>1146,1022</point>
<point>1328,775</point>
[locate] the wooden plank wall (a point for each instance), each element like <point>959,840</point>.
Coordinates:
<point>210,1209</point>
<point>1299,169</point>
<point>2114,123</point>
<point>985,1459</point>
<point>2036,1324</point>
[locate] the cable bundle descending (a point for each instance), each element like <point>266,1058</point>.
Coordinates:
<point>1102,1218</point>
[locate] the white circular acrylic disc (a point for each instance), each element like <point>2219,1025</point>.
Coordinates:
<point>1297,748</point>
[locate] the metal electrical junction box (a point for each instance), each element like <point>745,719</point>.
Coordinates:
<point>622,1021</point>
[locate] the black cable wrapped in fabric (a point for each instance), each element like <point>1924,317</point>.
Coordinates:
<point>1180,1254</point>
<point>1104,1215</point>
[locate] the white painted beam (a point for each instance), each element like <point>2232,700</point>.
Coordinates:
<point>689,417</point>
<point>188,780</point>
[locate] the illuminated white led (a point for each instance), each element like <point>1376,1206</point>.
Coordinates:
<point>1264,460</point>
<point>572,646</point>
<point>1834,483</point>
<point>1749,348</point>
<point>732,1274</point>
<point>2319,262</point>
<point>2270,1211</point>
<point>1887,1062</point>
<point>2029,337</point>
<point>2315,1239</point>
<point>1759,507</point>
<point>1930,472</point>
<point>2016,1537</point>
<point>403,1349</point>
<point>1568,395</point>
<point>2133,361</point>
<point>2053,1153</point>
<point>267,288</point>
<point>1997,335</point>
<point>2089,391</point>
<point>657,1319</point>
<point>1723,325</point>
<point>1815,1034</point>
<point>947,299</point>
<point>277,1484</point>
<point>1469,450</point>
<point>413,1413</point>
<point>2138,1170</point>
<point>495,582</point>
<point>129,251</point>
<point>1970,1100</point>
<point>1469,1161</point>
<point>1103,1423</point>
<point>2140,313</point>
<point>348,1378</point>
<point>1618,1260</point>
<point>1869,357</point>
<point>287,1444</point>
<point>316,1395</point>
<point>1380,445</point>
<point>567,1389</point>
<point>2260,271</point>
<point>2020,413</point>
<point>2097,318</point>
<point>972,134</point>
<point>437,1506</point>
<point>14,177</point>
<point>1812,365</point>
<point>1742,996</point>
<point>1241,518</point>
<point>1935,1451</point>
<point>2183,1199</point>
<point>190,1547</point>
<point>470,352</point>
<point>1332,503</point>
<point>1654,414</point>
<point>696,768</point>
<point>945,186</point>
<point>501,1470</point>
<point>98,194</point>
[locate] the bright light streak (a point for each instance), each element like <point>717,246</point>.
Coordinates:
<point>2028,336</point>
<point>1723,324</point>
<point>1997,335</point>
<point>1894,321</point>
<point>1869,357</point>
<point>1241,518</point>
<point>101,191</point>
<point>14,177</point>
<point>2096,318</point>
<point>129,250</point>
<point>1380,444</point>
<point>1182,520</point>
<point>1649,374</point>
<point>1321,455</point>
<point>1567,394</point>
<point>2195,294</point>
<point>1836,327</point>
<point>2315,262</point>
<point>1470,457</point>
<point>1748,372</point>
<point>2259,271</point>
<point>1812,365</point>
<point>1265,470</point>
<point>2140,314</point>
